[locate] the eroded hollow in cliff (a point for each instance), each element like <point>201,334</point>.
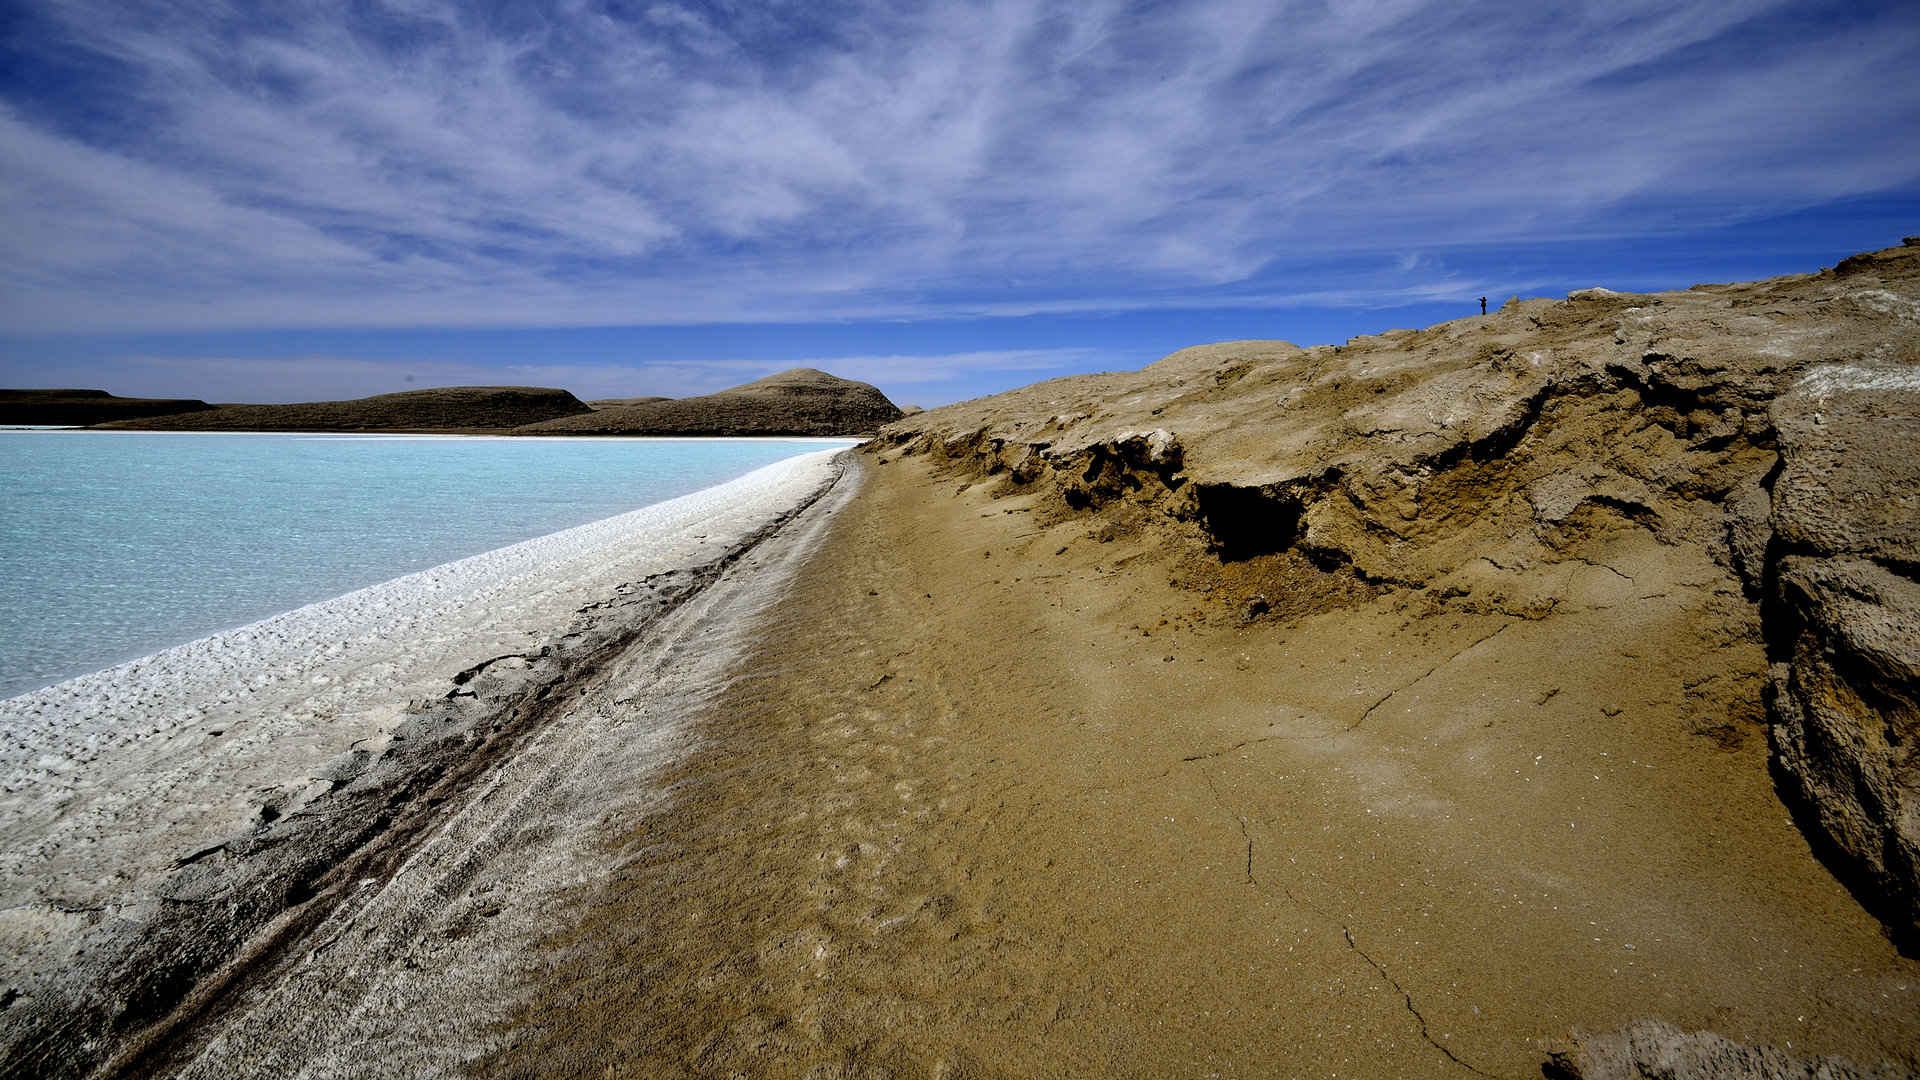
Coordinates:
<point>1244,522</point>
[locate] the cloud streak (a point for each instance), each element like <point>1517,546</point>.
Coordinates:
<point>188,165</point>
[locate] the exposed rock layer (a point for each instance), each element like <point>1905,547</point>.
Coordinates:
<point>1655,1050</point>
<point>801,401</point>
<point>80,407</point>
<point>1769,424</point>
<point>1845,613</point>
<point>452,408</point>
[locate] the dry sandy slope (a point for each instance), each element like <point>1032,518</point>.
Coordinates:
<point>1005,793</point>
<point>1766,427</point>
<point>1389,709</point>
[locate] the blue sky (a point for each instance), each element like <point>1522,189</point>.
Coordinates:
<point>275,201</point>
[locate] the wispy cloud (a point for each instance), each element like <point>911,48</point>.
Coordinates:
<point>919,369</point>
<point>166,163</point>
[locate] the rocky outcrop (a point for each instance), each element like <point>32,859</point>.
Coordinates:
<point>77,408</point>
<point>1656,1050</point>
<point>445,409</point>
<point>801,401</point>
<point>1769,425</point>
<point>1845,558</point>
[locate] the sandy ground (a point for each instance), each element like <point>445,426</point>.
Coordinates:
<point>1005,793</point>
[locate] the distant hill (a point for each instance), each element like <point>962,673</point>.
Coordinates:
<point>801,401</point>
<point>81,407</point>
<point>444,409</point>
<point>618,402</point>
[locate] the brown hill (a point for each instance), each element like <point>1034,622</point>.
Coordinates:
<point>1749,446</point>
<point>801,401</point>
<point>82,407</point>
<point>443,409</point>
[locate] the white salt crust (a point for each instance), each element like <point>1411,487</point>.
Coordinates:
<point>106,779</point>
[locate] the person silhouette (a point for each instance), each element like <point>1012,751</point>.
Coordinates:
<point>1483,305</point>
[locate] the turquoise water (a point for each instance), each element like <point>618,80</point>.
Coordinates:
<point>114,545</point>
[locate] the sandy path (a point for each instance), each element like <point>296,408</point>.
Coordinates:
<point>995,799</point>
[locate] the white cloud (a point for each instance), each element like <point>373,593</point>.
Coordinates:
<point>428,164</point>
<point>915,370</point>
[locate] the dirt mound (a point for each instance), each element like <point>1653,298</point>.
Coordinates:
<point>82,407</point>
<point>1484,462</point>
<point>446,409</point>
<point>801,401</point>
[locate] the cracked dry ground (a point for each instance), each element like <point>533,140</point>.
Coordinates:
<point>1007,795</point>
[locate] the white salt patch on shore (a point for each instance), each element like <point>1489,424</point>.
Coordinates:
<point>422,973</point>
<point>107,779</point>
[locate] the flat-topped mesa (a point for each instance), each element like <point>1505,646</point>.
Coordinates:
<point>77,408</point>
<point>441,409</point>
<point>801,401</point>
<point>1760,430</point>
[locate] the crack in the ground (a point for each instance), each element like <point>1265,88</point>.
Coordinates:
<point>1346,932</point>
<point>1425,1032</point>
<point>1389,695</point>
<point>1238,817</point>
<point>1249,742</point>
<point>1599,566</point>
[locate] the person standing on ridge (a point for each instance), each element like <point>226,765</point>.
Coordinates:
<point>1483,305</point>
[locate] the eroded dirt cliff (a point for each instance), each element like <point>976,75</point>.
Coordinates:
<point>1770,426</point>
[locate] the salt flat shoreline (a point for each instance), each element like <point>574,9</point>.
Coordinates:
<point>124,544</point>
<point>125,791</point>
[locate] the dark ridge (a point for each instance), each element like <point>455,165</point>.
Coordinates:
<point>797,402</point>
<point>444,409</point>
<point>78,408</point>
